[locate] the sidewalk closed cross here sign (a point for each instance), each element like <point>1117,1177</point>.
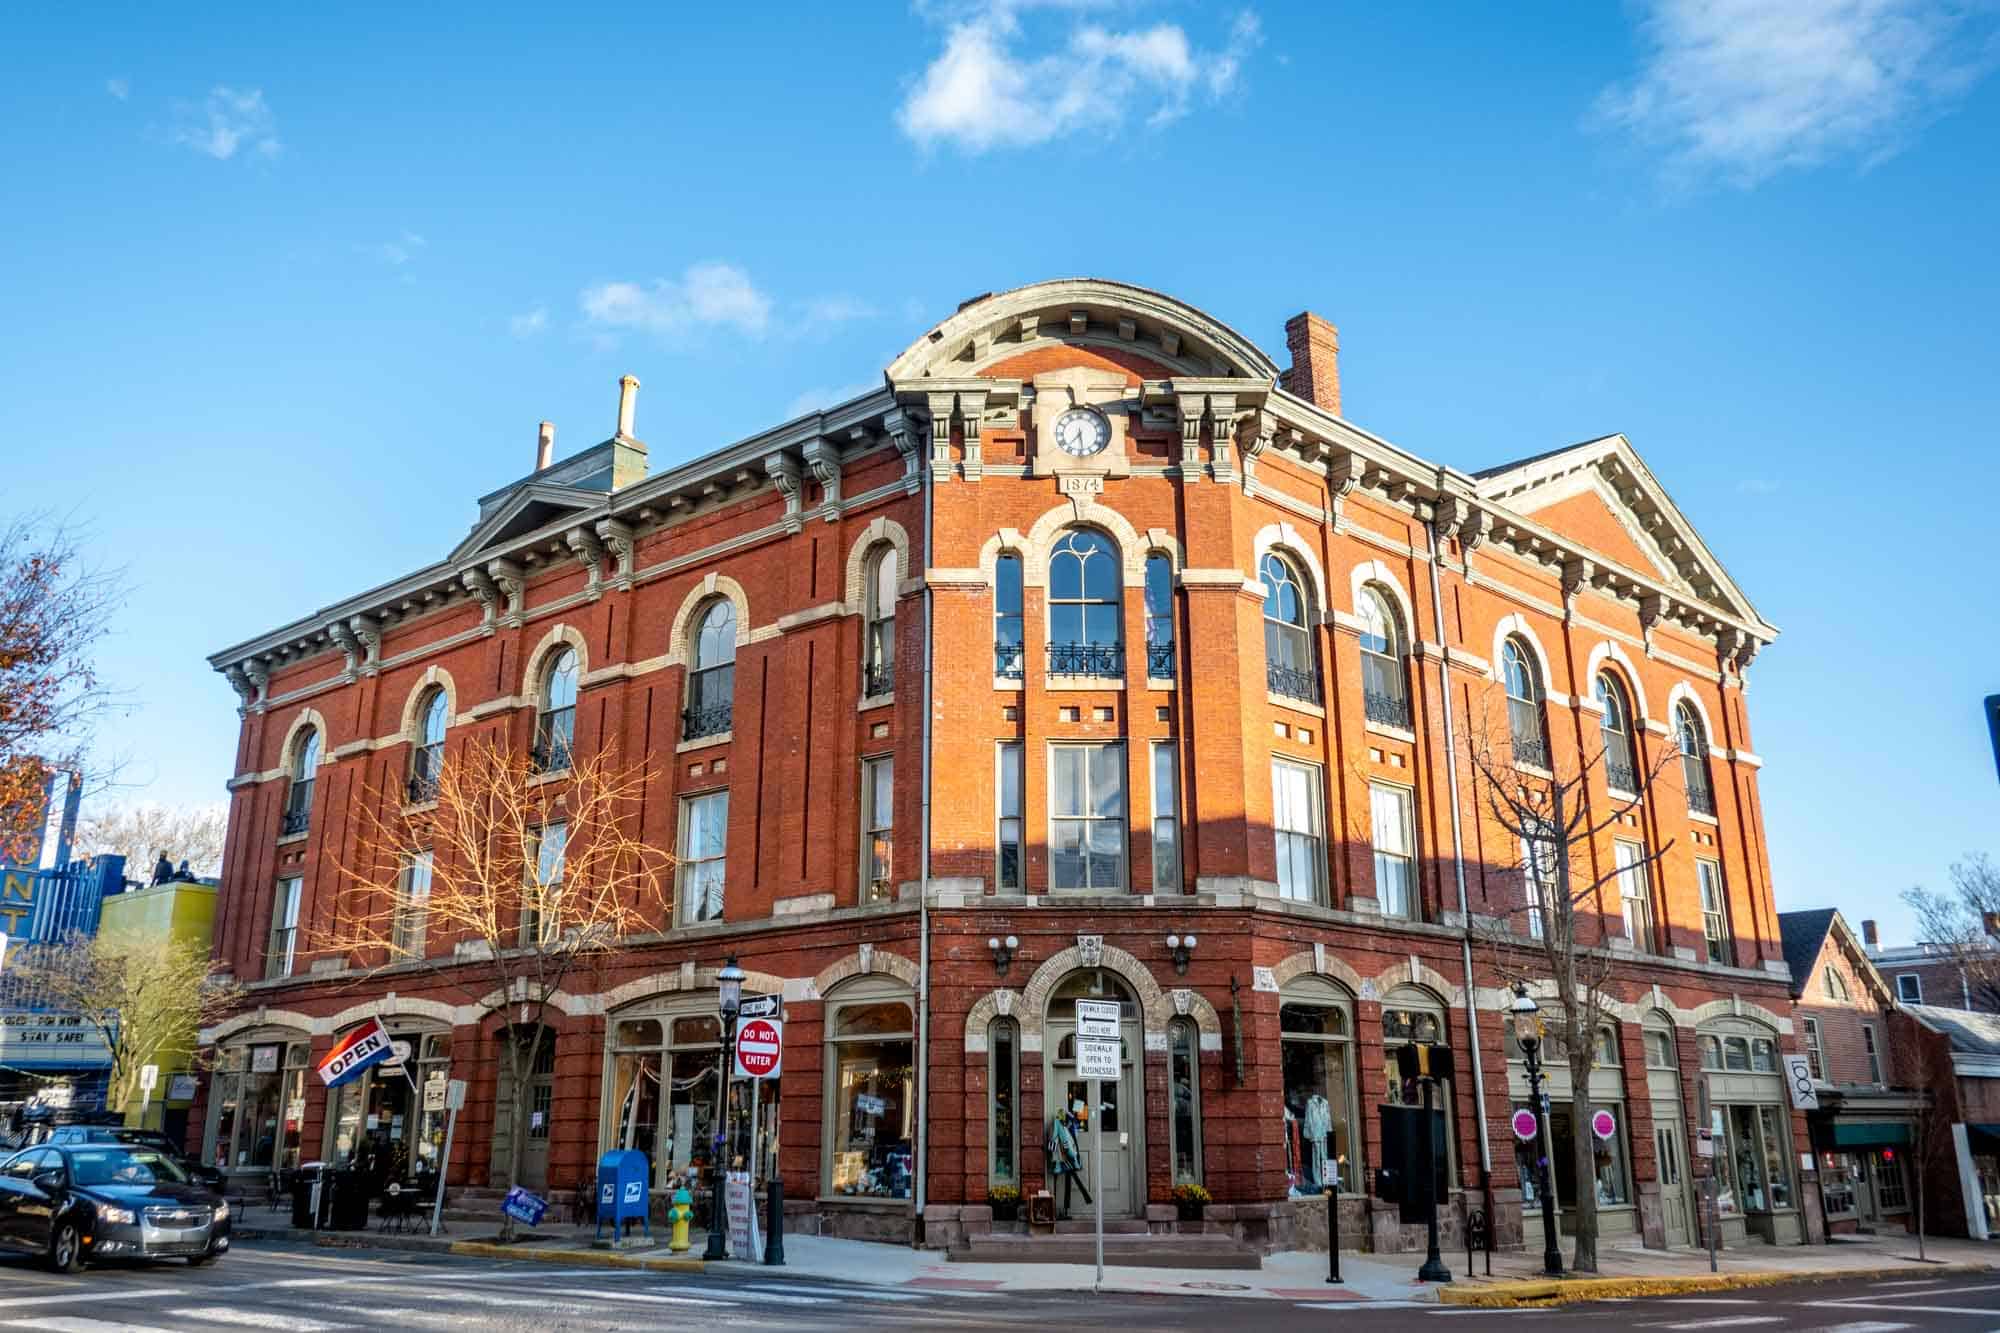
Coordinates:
<point>1097,1018</point>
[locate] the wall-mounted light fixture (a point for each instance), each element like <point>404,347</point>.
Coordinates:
<point>1180,948</point>
<point>1003,952</point>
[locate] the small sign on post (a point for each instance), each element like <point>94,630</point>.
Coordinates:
<point>1805,1092</point>
<point>759,1006</point>
<point>760,1047</point>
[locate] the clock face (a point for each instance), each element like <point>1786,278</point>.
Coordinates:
<point>1082,431</point>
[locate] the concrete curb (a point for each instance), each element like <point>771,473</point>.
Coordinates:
<point>476,1249</point>
<point>1570,1291</point>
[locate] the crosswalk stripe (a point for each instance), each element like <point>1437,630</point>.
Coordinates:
<point>79,1324</point>
<point>1865,1326</point>
<point>1725,1321</point>
<point>649,1298</point>
<point>843,1293</point>
<point>93,1294</point>
<point>229,1314</point>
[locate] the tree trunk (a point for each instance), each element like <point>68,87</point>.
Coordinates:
<point>1923,1159</point>
<point>1583,1149</point>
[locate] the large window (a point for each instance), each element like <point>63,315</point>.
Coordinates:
<point>1003,1102</point>
<point>1835,985</point>
<point>1750,1157</point>
<point>281,952</point>
<point>711,689</point>
<point>1714,911</point>
<point>878,821</point>
<point>427,756</point>
<point>662,1093</point>
<point>1614,726</point>
<point>878,659</point>
<point>1395,853</point>
<point>1525,726</point>
<point>1633,896</point>
<point>1693,743</point>
<point>1385,688</point>
<point>413,901</point>
<point>1291,669</point>
<point>1085,637</point>
<point>541,905</point>
<point>1871,1048</point>
<point>1007,835</point>
<point>305,771</point>
<point>258,1098</point>
<point>1007,618</point>
<point>1184,1087</point>
<point>1611,1175</point>
<point>1159,617</point>
<point>1298,826</point>
<point>1087,817</point>
<point>1541,874</point>
<point>1411,1016</point>
<point>703,844</point>
<point>1815,1058</point>
<point>872,1106</point>
<point>555,724</point>
<point>1316,1051</point>
<point>1166,819</point>
<point>1909,988</point>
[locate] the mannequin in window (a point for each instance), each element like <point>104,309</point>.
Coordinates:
<point>1318,1125</point>
<point>1065,1159</point>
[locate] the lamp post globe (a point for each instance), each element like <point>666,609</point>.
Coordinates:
<point>1526,1016</point>
<point>729,988</point>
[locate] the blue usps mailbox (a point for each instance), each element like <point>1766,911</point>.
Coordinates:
<point>622,1176</point>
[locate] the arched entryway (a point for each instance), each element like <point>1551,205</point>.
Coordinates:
<point>1121,1104</point>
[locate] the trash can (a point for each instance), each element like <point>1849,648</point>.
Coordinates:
<point>349,1210</point>
<point>303,1179</point>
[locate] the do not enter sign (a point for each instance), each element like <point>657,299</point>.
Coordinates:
<point>760,1046</point>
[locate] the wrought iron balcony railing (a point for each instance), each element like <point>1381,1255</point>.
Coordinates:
<point>1386,709</point>
<point>1531,749</point>
<point>877,679</point>
<point>1007,661</point>
<point>1620,775</point>
<point>1293,684</point>
<point>1700,799</point>
<point>421,788</point>
<point>297,819</point>
<point>1087,659</point>
<point>1159,661</point>
<point>710,721</point>
<point>551,757</point>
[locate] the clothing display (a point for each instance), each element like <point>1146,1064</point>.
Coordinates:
<point>1317,1126</point>
<point>1065,1158</point>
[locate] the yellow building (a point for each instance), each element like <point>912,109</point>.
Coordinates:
<point>185,910</point>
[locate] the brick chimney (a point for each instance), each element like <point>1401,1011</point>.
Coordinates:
<point>545,446</point>
<point>1870,941</point>
<point>1315,371</point>
<point>628,399</point>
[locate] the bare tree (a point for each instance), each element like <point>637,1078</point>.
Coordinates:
<point>1572,915</point>
<point>1931,1145</point>
<point>53,610</point>
<point>147,996</point>
<point>503,887</point>
<point>143,832</point>
<point>1959,925</point>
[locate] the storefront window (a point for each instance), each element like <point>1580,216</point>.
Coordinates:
<point>1750,1154</point>
<point>377,1124</point>
<point>1316,1049</point>
<point>1610,1179</point>
<point>1184,1082</point>
<point>259,1095</point>
<point>663,1089</point>
<point>1403,1023</point>
<point>1003,1079</point>
<point>873,1109</point>
<point>1891,1190</point>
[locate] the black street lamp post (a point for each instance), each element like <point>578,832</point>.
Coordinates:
<point>1527,1031</point>
<point>728,999</point>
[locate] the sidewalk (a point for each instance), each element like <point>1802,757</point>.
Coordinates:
<point>1293,1275</point>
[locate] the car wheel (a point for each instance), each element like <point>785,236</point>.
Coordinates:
<point>197,1260</point>
<point>66,1249</point>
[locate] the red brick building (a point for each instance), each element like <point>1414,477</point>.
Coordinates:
<point>1092,655</point>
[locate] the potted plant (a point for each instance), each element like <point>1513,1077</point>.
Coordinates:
<point>1006,1202</point>
<point>1189,1200</point>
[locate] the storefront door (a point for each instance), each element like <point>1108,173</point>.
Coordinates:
<point>1120,1103</point>
<point>1867,1210</point>
<point>1676,1204</point>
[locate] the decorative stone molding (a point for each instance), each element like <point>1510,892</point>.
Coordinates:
<point>1379,574</point>
<point>1153,1006</point>
<point>343,638</point>
<point>680,979</point>
<point>992,1005</point>
<point>879,531</point>
<point>1316,962</point>
<point>558,634</point>
<point>1684,692</point>
<point>305,717</point>
<point>481,585</point>
<point>907,436</point>
<point>239,680</point>
<point>623,544</point>
<point>1007,541</point>
<point>823,457</point>
<point>865,961</point>
<point>783,470</point>
<point>1083,511</point>
<point>1274,536</point>
<point>513,585</point>
<point>1517,624</point>
<point>1635,684</point>
<point>588,548</point>
<point>712,585</point>
<point>368,629</point>
<point>413,721</point>
<point>300,1024</point>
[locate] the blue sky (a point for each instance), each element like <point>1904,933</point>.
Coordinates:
<point>287,290</point>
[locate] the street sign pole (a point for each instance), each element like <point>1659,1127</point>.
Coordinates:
<point>454,1097</point>
<point>1097,1169</point>
<point>1708,1185</point>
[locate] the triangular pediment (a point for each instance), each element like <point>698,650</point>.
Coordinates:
<point>531,507</point>
<point>1602,496</point>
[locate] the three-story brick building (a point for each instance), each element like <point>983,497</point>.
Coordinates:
<point>1092,655</point>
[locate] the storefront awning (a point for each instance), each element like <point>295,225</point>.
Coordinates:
<point>1870,1134</point>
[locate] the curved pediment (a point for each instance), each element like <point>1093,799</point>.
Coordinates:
<point>1130,325</point>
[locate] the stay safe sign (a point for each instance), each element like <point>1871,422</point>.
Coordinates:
<point>760,1047</point>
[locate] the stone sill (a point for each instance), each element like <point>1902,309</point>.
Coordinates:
<point>1395,733</point>
<point>1533,771</point>
<point>290,838</point>
<point>720,738</point>
<point>876,701</point>
<point>863,1203</point>
<point>1158,685</point>
<point>1009,684</point>
<point>1295,705</point>
<point>1084,684</point>
<point>1697,817</point>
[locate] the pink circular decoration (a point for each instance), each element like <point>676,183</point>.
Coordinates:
<point>1602,1125</point>
<point>1524,1125</point>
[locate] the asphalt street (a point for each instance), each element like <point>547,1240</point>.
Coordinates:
<point>290,1290</point>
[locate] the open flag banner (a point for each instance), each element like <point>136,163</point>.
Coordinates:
<point>352,1055</point>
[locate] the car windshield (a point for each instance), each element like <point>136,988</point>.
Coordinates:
<point>124,1166</point>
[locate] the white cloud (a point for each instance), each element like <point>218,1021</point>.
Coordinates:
<point>118,88</point>
<point>708,294</point>
<point>824,311</point>
<point>529,324</point>
<point>989,89</point>
<point>401,250</point>
<point>812,400</point>
<point>1746,88</point>
<point>227,122</point>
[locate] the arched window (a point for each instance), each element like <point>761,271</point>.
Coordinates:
<point>1385,689</point>
<point>1524,704</point>
<point>1614,724</point>
<point>878,660</point>
<point>666,1056</point>
<point>1159,617</point>
<point>1003,1102</point>
<point>305,768</point>
<point>1084,633</point>
<point>1693,743</point>
<point>871,1107</point>
<point>1290,668</point>
<point>555,727</point>
<point>1316,1053</point>
<point>1007,618</point>
<point>427,755</point>
<point>1184,1112</point>
<point>711,690</point>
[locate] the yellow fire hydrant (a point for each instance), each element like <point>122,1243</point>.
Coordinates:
<point>680,1214</point>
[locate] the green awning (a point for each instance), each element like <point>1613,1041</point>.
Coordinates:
<point>1871,1133</point>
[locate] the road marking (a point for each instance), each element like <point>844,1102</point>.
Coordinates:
<point>1726,1321</point>
<point>228,1314</point>
<point>861,1293</point>
<point>78,1324</point>
<point>1702,1300</point>
<point>1911,1282</point>
<point>93,1294</point>
<point>1900,1308</point>
<point>1865,1326</point>
<point>598,1295</point>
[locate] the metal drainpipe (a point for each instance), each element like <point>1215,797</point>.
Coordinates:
<point>1458,860</point>
<point>924,891</point>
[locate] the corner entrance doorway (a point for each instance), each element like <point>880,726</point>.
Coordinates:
<point>1121,1103</point>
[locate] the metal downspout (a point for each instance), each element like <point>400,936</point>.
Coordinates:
<point>924,893</point>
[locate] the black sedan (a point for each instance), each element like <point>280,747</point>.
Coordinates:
<point>88,1201</point>
<point>63,1136</point>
